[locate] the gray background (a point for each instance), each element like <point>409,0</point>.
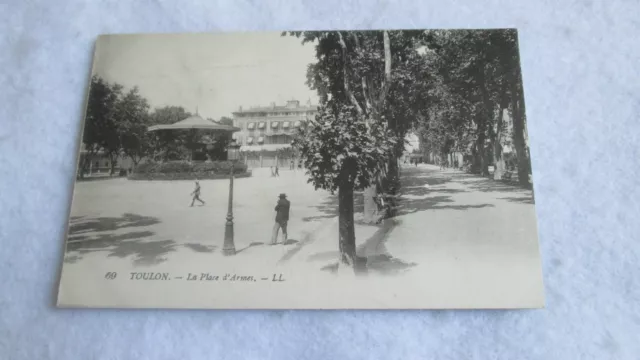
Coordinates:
<point>582,88</point>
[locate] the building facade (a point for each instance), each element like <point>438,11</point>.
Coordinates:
<point>266,130</point>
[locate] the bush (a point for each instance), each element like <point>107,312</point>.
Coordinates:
<point>185,167</point>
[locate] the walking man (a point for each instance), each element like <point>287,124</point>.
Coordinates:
<point>196,194</point>
<point>282,217</point>
<point>277,173</point>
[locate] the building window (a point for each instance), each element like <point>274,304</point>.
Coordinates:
<point>250,140</point>
<point>285,125</point>
<point>261,125</point>
<point>275,124</point>
<point>251,126</point>
<point>261,140</point>
<point>297,124</point>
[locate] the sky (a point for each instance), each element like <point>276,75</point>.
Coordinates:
<point>213,73</point>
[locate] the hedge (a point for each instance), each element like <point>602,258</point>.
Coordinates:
<point>184,170</point>
<point>186,176</point>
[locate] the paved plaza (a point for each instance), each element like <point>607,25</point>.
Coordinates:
<point>444,214</point>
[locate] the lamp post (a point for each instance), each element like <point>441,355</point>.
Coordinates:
<point>229,247</point>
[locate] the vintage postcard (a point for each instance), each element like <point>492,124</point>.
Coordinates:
<point>304,170</point>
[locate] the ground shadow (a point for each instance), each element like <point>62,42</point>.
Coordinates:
<point>290,242</point>
<point>306,240</point>
<point>145,252</point>
<point>79,225</point>
<point>477,183</point>
<point>256,243</point>
<point>329,207</point>
<point>373,252</point>
<point>88,235</point>
<point>415,196</point>
<point>386,264</point>
<point>200,248</point>
<point>521,200</point>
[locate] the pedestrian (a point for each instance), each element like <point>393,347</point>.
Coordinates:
<point>196,194</point>
<point>291,165</point>
<point>282,217</point>
<point>277,173</point>
<point>272,173</point>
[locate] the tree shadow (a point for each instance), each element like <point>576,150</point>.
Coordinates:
<point>521,200</point>
<point>86,242</point>
<point>372,252</point>
<point>79,225</point>
<point>146,252</point>
<point>200,248</point>
<point>96,235</point>
<point>415,196</point>
<point>385,264</point>
<point>477,183</point>
<point>329,208</point>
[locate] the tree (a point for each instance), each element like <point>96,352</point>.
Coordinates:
<point>342,151</point>
<point>361,68</point>
<point>100,132</point>
<point>226,121</point>
<point>169,145</point>
<point>133,122</point>
<point>480,77</point>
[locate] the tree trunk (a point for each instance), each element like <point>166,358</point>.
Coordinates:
<point>521,151</point>
<point>517,106</point>
<point>497,145</point>
<point>346,228</point>
<point>370,206</point>
<point>112,158</point>
<point>480,153</point>
<point>499,161</point>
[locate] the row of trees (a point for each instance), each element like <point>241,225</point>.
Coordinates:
<point>476,94</point>
<point>452,88</point>
<point>117,123</point>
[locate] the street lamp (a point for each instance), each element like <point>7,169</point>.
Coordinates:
<point>229,247</point>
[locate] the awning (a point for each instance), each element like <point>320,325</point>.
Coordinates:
<point>274,124</point>
<point>194,122</point>
<point>251,126</point>
<point>285,124</point>
<point>261,125</point>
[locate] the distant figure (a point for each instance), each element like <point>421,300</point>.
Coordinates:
<point>196,194</point>
<point>272,173</point>
<point>291,167</point>
<point>282,217</point>
<point>277,172</point>
<point>299,164</point>
<point>416,162</point>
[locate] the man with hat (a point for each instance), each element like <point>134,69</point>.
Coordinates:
<point>282,217</point>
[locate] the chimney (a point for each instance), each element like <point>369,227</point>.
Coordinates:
<point>240,109</point>
<point>273,105</point>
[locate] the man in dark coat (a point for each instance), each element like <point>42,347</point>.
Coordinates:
<point>282,217</point>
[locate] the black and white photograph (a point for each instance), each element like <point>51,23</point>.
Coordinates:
<point>377,169</point>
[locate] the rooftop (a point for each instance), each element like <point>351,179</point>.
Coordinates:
<point>291,106</point>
